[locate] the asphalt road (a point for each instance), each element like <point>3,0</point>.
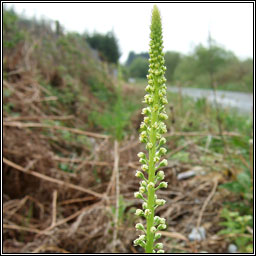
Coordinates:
<point>242,102</point>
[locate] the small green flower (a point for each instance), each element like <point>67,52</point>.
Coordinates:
<point>142,190</point>
<point>161,226</point>
<point>147,212</point>
<point>141,155</point>
<point>159,246</point>
<point>163,163</point>
<point>163,184</point>
<point>160,202</point>
<point>144,167</point>
<point>139,174</point>
<point>139,226</point>
<point>162,151</point>
<point>139,212</point>
<point>150,185</point>
<point>160,175</point>
<point>157,236</point>
<point>144,205</point>
<point>153,230</point>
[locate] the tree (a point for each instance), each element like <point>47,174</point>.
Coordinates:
<point>139,67</point>
<point>211,59</point>
<point>106,45</point>
<point>185,70</point>
<point>172,60</point>
<point>132,56</point>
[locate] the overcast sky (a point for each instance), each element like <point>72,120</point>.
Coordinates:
<point>184,24</point>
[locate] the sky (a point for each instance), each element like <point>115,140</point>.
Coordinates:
<point>185,25</point>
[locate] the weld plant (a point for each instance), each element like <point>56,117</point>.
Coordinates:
<point>152,128</point>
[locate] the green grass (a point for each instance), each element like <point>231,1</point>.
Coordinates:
<point>236,87</point>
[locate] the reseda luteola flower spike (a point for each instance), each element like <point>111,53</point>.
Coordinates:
<point>152,129</point>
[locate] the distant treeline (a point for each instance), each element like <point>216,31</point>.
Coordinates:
<point>202,68</point>
<point>106,45</point>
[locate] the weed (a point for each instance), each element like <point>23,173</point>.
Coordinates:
<point>152,129</point>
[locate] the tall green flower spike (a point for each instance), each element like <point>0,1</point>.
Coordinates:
<point>152,129</point>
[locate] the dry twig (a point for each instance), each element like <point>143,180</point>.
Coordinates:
<point>44,177</point>
<point>39,125</point>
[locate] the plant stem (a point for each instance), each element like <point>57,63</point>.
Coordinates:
<point>152,129</point>
<point>151,178</point>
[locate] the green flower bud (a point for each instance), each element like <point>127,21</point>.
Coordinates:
<point>160,251</point>
<point>143,161</point>
<point>138,195</point>
<point>162,141</point>
<point>164,100</point>
<point>161,226</point>
<point>141,155</point>
<point>163,184</point>
<point>163,163</point>
<point>162,128</point>
<point>144,183</point>
<point>163,91</point>
<point>144,167</point>
<point>163,116</point>
<point>157,73</point>
<point>146,111</point>
<point>160,175</point>
<point>148,88</point>
<point>158,136</point>
<point>142,237</point>
<point>153,230</point>
<point>142,190</point>
<point>139,212</point>
<point>164,87</point>
<point>156,107</point>
<point>150,81</point>
<point>157,220</point>
<point>143,134</point>
<point>158,235</point>
<point>159,246</point>
<point>139,174</point>
<point>148,99</point>
<point>162,220</point>
<point>149,145</point>
<point>146,119</point>
<point>136,242</point>
<point>143,126</point>
<point>144,205</point>
<point>162,151</point>
<point>143,139</point>
<point>155,125</point>
<point>139,226</point>
<point>150,185</point>
<point>147,212</point>
<point>156,159</point>
<point>160,202</point>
